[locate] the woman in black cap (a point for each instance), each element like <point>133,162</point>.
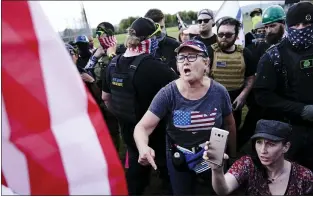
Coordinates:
<point>266,172</point>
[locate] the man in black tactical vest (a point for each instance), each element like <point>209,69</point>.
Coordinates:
<point>132,80</point>
<point>284,82</point>
<point>167,44</point>
<point>232,65</point>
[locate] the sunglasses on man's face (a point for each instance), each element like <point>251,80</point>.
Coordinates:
<point>227,35</point>
<point>204,20</point>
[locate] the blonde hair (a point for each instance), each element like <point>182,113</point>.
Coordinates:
<point>132,41</point>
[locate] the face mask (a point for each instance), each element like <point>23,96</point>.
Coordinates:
<point>255,20</point>
<point>107,42</point>
<point>261,36</point>
<point>154,46</point>
<point>301,39</point>
<point>163,35</point>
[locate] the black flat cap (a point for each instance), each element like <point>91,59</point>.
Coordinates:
<point>272,130</point>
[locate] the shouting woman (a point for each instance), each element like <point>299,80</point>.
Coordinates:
<point>192,105</point>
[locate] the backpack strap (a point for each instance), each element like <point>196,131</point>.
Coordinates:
<point>136,62</point>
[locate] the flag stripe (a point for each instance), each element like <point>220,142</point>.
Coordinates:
<point>88,126</point>
<point>147,46</point>
<point>3,180</point>
<point>196,125</point>
<point>87,177</point>
<point>30,137</point>
<point>15,163</point>
<point>202,120</point>
<point>116,177</point>
<point>53,121</point>
<point>200,129</point>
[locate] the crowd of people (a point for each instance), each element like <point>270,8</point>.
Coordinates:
<point>164,95</point>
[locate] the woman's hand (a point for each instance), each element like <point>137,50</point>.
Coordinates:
<point>209,152</point>
<point>146,157</point>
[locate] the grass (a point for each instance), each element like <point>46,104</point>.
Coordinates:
<point>173,32</point>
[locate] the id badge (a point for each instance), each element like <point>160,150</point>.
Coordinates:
<point>220,64</point>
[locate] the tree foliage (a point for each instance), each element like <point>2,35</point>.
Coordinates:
<point>170,20</point>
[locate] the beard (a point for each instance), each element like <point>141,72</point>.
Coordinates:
<point>274,38</point>
<point>226,45</point>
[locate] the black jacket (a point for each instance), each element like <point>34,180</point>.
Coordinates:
<point>282,85</point>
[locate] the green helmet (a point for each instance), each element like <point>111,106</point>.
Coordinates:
<point>273,14</point>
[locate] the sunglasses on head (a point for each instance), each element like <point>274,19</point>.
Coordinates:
<point>101,31</point>
<point>204,20</point>
<point>227,35</point>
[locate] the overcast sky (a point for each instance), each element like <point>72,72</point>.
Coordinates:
<point>63,14</point>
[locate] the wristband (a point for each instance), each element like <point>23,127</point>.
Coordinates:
<point>92,62</point>
<point>94,58</point>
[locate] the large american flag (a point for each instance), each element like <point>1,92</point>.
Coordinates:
<point>54,139</point>
<point>194,120</point>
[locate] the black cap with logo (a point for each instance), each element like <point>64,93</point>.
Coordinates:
<point>301,12</point>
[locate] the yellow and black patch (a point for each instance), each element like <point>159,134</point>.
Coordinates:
<point>117,82</point>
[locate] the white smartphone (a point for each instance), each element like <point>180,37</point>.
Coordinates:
<point>218,142</point>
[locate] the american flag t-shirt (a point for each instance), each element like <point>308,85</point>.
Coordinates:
<point>194,120</point>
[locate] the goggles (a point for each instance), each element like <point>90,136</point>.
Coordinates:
<point>157,32</point>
